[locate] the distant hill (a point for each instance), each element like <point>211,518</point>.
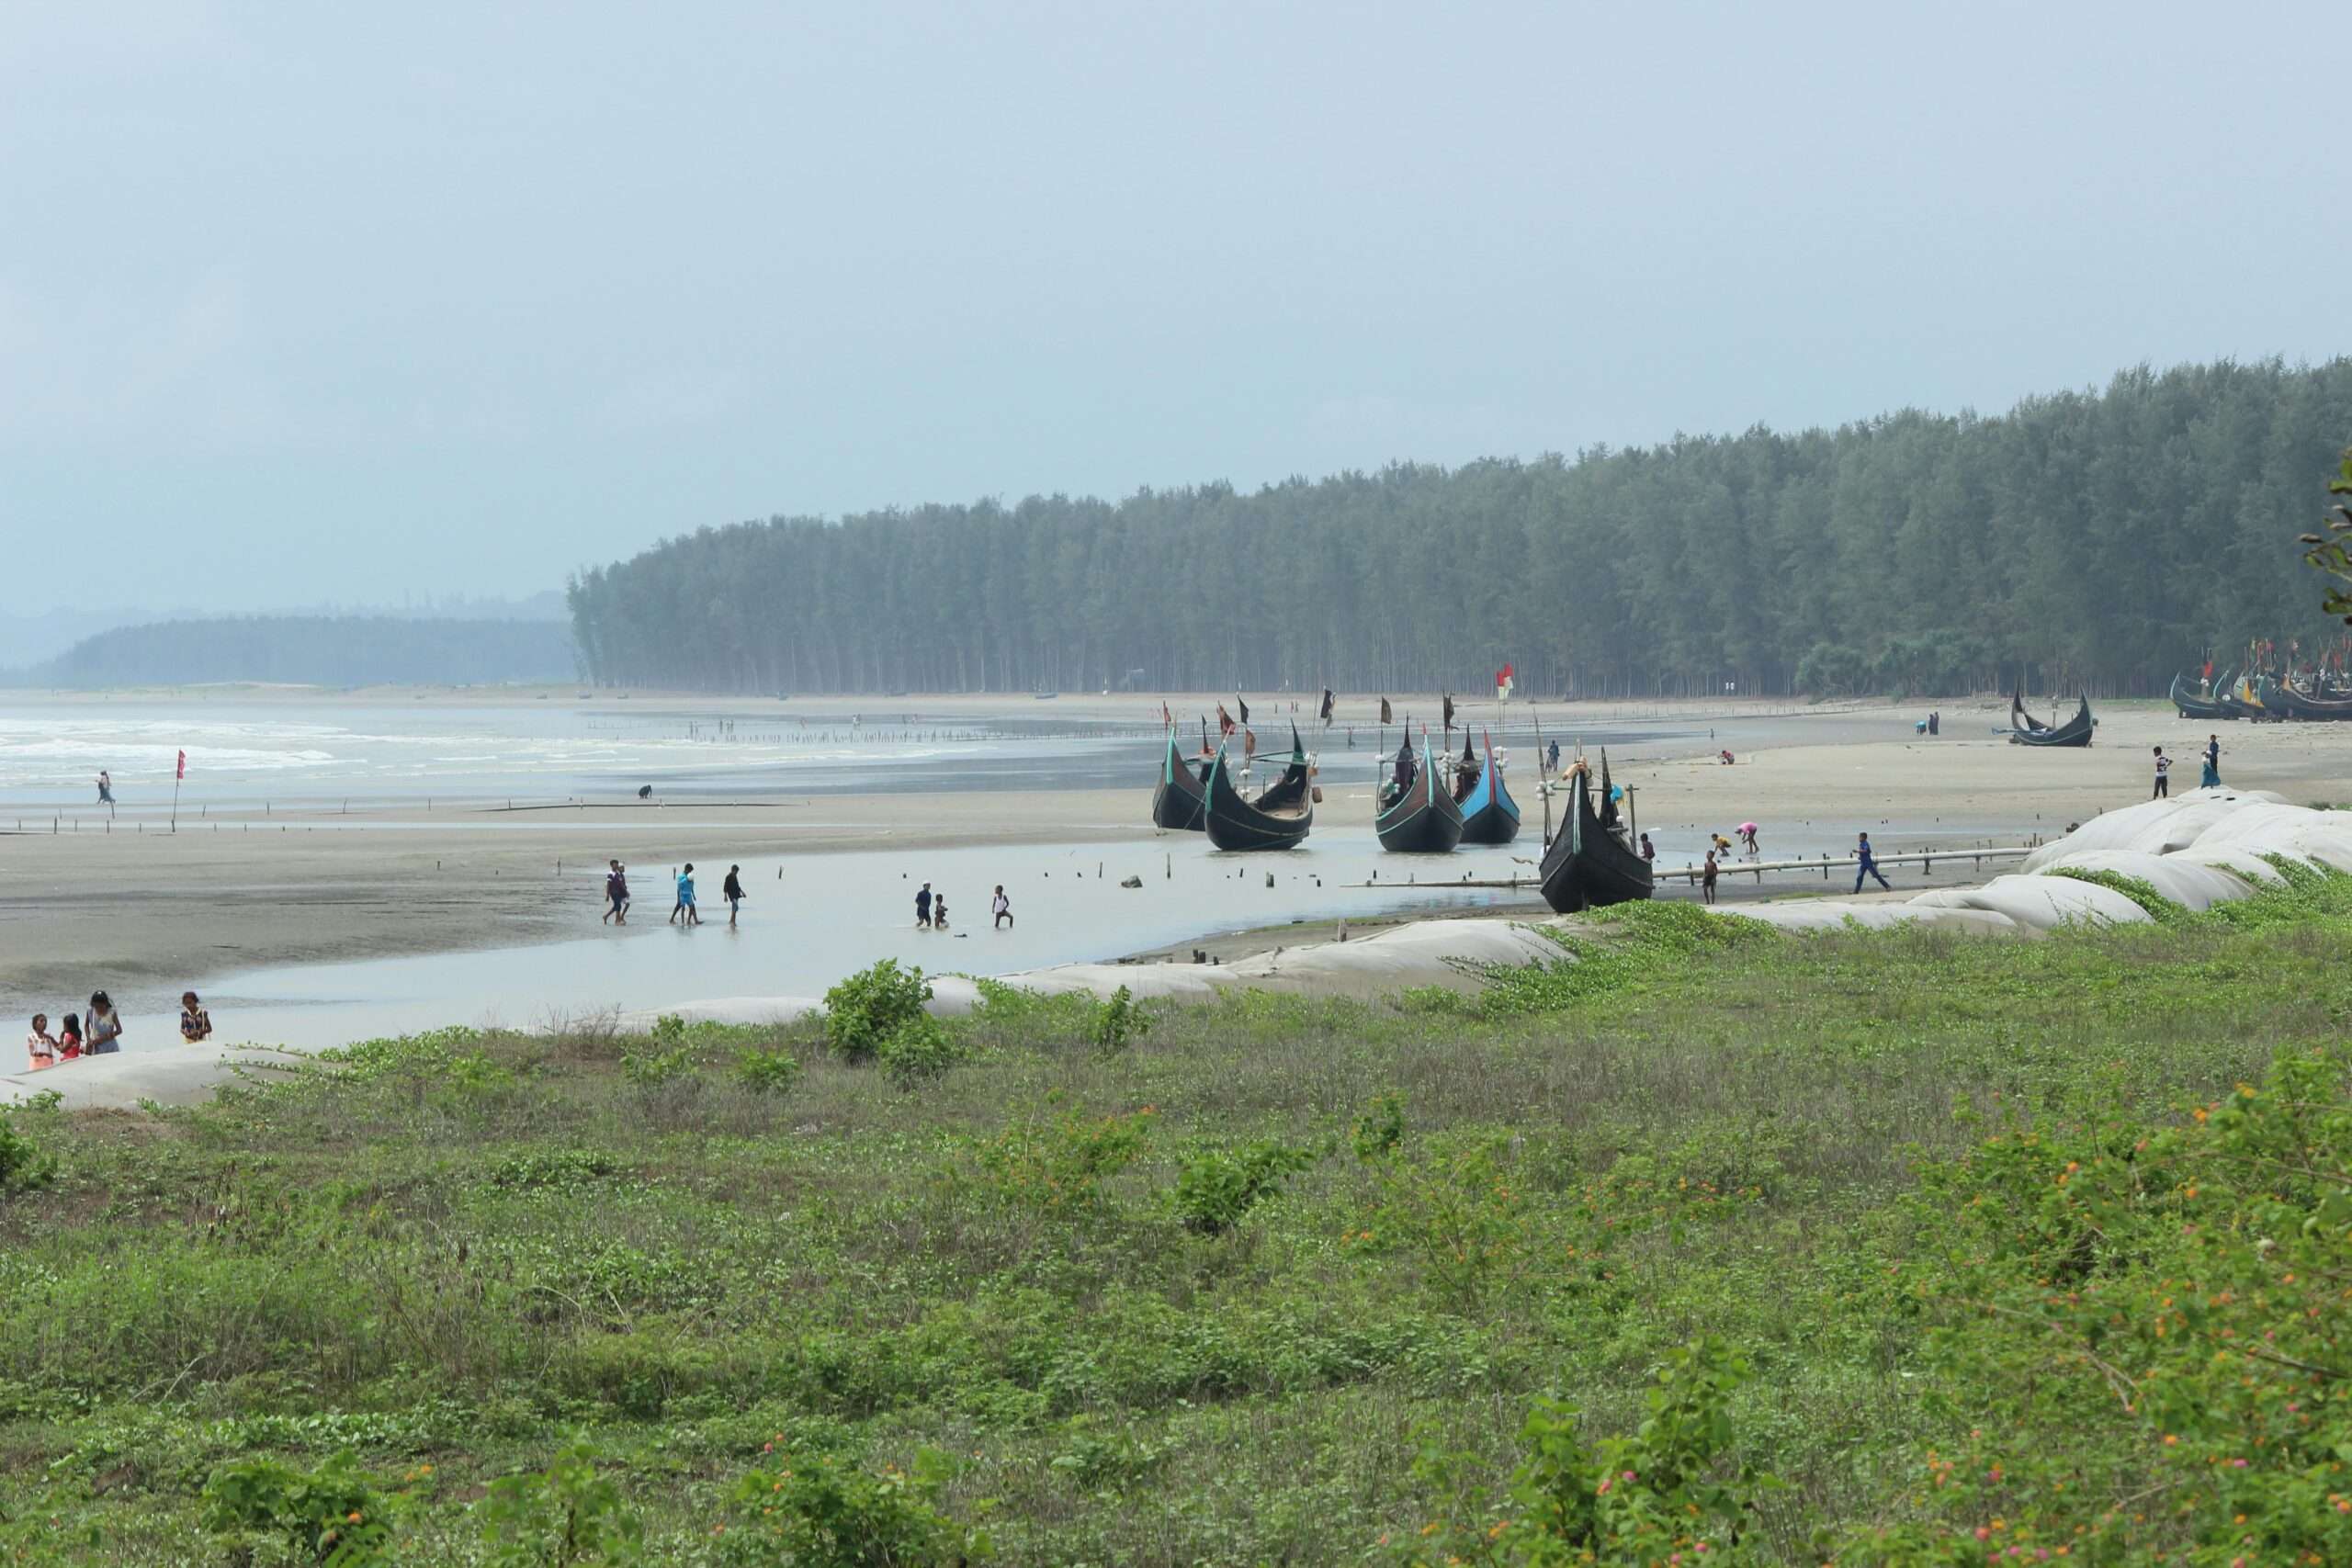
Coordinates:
<point>325,650</point>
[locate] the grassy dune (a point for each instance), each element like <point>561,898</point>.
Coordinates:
<point>1708,1241</point>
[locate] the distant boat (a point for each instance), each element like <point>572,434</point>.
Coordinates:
<point>1489,816</point>
<point>1423,818</point>
<point>2026,731</point>
<point>2288,703</point>
<point>1180,800</point>
<point>1044,696</point>
<point>2240,700</point>
<point>2191,705</point>
<point>1278,819</point>
<point>1586,865</point>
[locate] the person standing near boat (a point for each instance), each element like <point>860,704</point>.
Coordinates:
<point>1866,864</point>
<point>2212,776</point>
<point>1649,854</point>
<point>2164,776</point>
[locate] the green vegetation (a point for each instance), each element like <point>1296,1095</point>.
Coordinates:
<point>1877,1249</point>
<point>325,651</point>
<point>2104,538</point>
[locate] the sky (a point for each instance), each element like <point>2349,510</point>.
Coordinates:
<point>310,303</point>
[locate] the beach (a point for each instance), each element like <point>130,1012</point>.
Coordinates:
<point>277,883</point>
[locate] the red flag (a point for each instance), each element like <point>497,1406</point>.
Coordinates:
<point>1224,721</point>
<point>183,768</point>
<point>1165,716</point>
<point>2208,669</point>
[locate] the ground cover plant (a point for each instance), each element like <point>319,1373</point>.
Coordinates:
<point>1707,1245</point>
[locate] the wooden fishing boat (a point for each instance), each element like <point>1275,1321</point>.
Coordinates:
<point>2188,705</point>
<point>1180,801</point>
<point>2026,731</point>
<point>2240,700</point>
<point>1587,865</point>
<point>2289,702</point>
<point>1277,820</point>
<point>1489,816</point>
<point>1423,818</point>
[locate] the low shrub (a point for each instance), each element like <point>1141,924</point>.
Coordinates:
<point>768,1071</point>
<point>865,1010</point>
<point>919,1050</point>
<point>825,1513</point>
<point>567,1516</point>
<point>1118,1021</point>
<point>336,1514</point>
<point>1062,1164</point>
<point>1216,1186</point>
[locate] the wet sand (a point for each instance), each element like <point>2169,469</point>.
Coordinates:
<point>141,907</point>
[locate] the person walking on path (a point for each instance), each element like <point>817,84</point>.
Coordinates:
<point>104,1027</point>
<point>40,1045</point>
<point>732,891</point>
<point>685,913</point>
<point>616,895</point>
<point>1707,879</point>
<point>2212,776</point>
<point>1001,907</point>
<point>195,1024</point>
<point>922,907</point>
<point>1866,864</point>
<point>2164,776</point>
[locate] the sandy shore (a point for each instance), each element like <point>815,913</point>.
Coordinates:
<point>140,905</point>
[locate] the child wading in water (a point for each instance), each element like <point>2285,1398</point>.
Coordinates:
<point>1003,907</point>
<point>684,914</point>
<point>939,911</point>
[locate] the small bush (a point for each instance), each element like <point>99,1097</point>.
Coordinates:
<point>865,1010</point>
<point>1215,1187</point>
<point>335,1513</point>
<point>1062,1164</point>
<point>919,1050</point>
<point>823,1513</point>
<point>1118,1021</point>
<point>23,1164</point>
<point>562,1169</point>
<point>768,1071</point>
<point>564,1516</point>
<point>651,1069</point>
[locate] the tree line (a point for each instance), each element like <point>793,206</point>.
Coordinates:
<point>2097,540</point>
<point>323,650</point>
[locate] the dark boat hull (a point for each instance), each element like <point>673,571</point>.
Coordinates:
<point>1181,802</point>
<point>1587,867</point>
<point>1277,820</point>
<point>1489,816</point>
<point>2025,731</point>
<point>1427,821</point>
<point>2288,703</point>
<point>2189,706</point>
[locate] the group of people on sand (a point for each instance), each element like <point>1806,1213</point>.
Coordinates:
<point>2209,773</point>
<point>931,909</point>
<point>685,912</point>
<point>100,1032</point>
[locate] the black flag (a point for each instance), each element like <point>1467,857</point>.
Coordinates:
<point>1449,711</point>
<point>1241,707</point>
<point>1325,714</point>
<point>1385,715</point>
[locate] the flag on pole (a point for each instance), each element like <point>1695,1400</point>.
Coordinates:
<point>1502,682</point>
<point>1327,699</point>
<point>1166,717</point>
<point>1241,707</point>
<point>1384,717</point>
<point>1224,721</point>
<point>182,771</point>
<point>1449,713</point>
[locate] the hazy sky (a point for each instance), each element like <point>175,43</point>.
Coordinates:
<point>310,302</point>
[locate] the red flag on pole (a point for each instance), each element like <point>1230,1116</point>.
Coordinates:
<point>182,769</point>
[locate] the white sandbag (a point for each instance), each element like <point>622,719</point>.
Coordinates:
<point>2152,826</point>
<point>1837,914</point>
<point>2184,881</point>
<point>2044,903</point>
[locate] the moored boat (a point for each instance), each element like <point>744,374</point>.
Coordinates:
<point>1419,817</point>
<point>1591,861</point>
<point>1180,802</point>
<point>2026,731</point>
<point>2189,705</point>
<point>1277,820</point>
<point>1489,816</point>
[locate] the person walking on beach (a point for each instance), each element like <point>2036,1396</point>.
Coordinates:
<point>1551,757</point>
<point>2212,776</point>
<point>104,1027</point>
<point>1001,907</point>
<point>616,895</point>
<point>1707,879</point>
<point>1748,838</point>
<point>195,1024</point>
<point>732,891</point>
<point>40,1045</point>
<point>1866,864</point>
<point>105,788</point>
<point>922,907</point>
<point>2164,776</point>
<point>685,913</point>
